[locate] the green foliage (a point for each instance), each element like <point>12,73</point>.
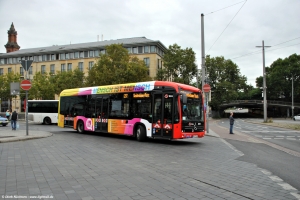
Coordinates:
<point>5,81</point>
<point>279,78</point>
<point>41,87</point>
<point>179,64</point>
<point>116,67</point>
<point>226,81</point>
<point>66,80</point>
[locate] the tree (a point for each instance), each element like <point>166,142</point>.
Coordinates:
<point>5,81</point>
<point>279,77</point>
<point>67,79</point>
<point>41,87</point>
<point>179,64</point>
<point>226,81</point>
<point>116,67</point>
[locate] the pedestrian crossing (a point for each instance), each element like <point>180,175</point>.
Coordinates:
<point>255,129</point>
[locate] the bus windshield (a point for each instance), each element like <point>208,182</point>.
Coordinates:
<point>192,110</point>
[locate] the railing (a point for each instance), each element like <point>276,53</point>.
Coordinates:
<point>261,102</point>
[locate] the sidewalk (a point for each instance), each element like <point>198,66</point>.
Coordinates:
<point>19,135</point>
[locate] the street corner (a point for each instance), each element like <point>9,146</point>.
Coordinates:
<point>21,135</point>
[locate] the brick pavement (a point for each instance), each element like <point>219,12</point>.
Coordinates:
<point>75,166</point>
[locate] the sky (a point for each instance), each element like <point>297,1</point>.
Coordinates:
<point>232,28</point>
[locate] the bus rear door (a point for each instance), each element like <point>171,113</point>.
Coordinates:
<point>163,120</point>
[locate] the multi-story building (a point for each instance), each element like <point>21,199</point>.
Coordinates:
<point>70,56</point>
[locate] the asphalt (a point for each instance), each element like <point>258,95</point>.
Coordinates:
<point>53,167</point>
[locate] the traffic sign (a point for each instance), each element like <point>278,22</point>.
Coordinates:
<point>25,84</point>
<point>26,64</point>
<point>206,87</point>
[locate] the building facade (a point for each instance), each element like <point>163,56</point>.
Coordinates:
<point>71,56</point>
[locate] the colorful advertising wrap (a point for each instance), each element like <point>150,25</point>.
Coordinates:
<point>129,87</point>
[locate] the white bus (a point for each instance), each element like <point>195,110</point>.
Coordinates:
<point>43,111</point>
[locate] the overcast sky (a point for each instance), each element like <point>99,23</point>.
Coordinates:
<point>233,28</point>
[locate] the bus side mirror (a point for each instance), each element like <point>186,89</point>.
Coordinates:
<point>183,98</point>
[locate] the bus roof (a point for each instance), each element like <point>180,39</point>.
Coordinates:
<point>127,87</point>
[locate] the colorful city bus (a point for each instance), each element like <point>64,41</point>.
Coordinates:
<point>154,109</point>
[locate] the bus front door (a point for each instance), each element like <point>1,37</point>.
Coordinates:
<point>162,124</point>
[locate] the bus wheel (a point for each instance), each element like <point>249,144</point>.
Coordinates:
<point>80,127</point>
<point>47,120</point>
<point>140,133</point>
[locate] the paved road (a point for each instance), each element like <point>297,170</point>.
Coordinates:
<point>71,166</point>
<point>272,148</point>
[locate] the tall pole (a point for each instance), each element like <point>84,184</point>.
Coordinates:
<point>202,50</point>
<point>264,80</point>
<point>203,69</point>
<point>26,111</point>
<point>292,96</point>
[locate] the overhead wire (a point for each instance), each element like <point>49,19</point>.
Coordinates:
<point>259,51</point>
<point>227,25</point>
<point>223,8</point>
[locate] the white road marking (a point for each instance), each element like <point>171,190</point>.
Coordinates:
<point>276,178</point>
<point>287,186</point>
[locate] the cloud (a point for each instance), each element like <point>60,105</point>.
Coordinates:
<point>56,22</point>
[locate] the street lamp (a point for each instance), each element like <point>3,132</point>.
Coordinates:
<point>292,96</point>
<point>264,79</point>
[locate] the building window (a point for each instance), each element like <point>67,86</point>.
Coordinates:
<point>52,69</point>
<point>10,61</point>
<point>52,57</point>
<point>91,53</point>
<point>63,67</point>
<point>96,53</point>
<point>147,61</point>
<point>9,70</point>
<point>67,56</point>
<point>62,56</point>
<point>153,49</point>
<point>14,60</point>
<point>86,54</point>
<point>102,51</point>
<point>76,55</point>
<point>1,71</point>
<point>158,64</point>
<point>80,66</point>
<point>21,71</point>
<point>134,50</point>
<point>146,49</point>
<point>43,69</point>
<point>81,54</point>
<point>44,57</point>
<point>71,55</point>
<point>91,64</point>
<point>69,66</point>
<point>129,50</point>
<point>40,58</point>
<point>30,70</point>
<point>140,49</point>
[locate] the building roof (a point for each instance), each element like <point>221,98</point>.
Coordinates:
<point>127,42</point>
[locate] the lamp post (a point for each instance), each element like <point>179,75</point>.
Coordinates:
<point>292,96</point>
<point>264,79</point>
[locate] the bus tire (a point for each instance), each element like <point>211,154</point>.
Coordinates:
<point>80,127</point>
<point>47,121</point>
<point>140,133</point>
